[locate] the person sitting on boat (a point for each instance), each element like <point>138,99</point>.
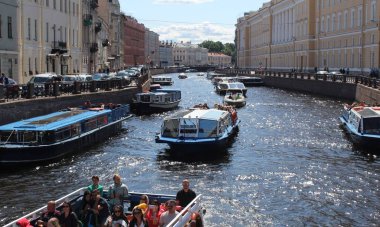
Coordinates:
<point>95,185</point>
<point>168,215</point>
<point>51,212</point>
<point>118,218</point>
<point>53,222</point>
<point>68,218</point>
<point>185,195</point>
<point>23,222</point>
<point>138,219</point>
<point>83,205</point>
<point>153,214</point>
<point>118,191</point>
<point>144,202</point>
<point>98,212</point>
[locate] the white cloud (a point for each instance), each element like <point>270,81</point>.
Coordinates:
<point>196,33</point>
<point>181,1</point>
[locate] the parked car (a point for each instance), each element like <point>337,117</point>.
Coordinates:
<point>374,73</point>
<point>100,76</point>
<point>12,89</point>
<point>39,81</point>
<point>85,77</point>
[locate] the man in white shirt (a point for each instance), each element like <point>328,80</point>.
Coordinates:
<point>168,215</point>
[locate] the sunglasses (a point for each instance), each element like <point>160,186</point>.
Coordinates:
<point>137,213</point>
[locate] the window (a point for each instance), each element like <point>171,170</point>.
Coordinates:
<point>373,10</point>
<point>1,23</point>
<point>352,19</point>
<point>65,6</point>
<point>345,20</point>
<point>60,5</point>
<point>28,37</point>
<point>359,17</point>
<point>47,3</point>
<point>55,4</point>
<point>35,30</point>
<point>47,32</point>
<point>10,36</point>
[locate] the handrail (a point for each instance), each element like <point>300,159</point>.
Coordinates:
<point>185,215</point>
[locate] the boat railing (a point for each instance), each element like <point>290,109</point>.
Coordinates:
<point>185,215</point>
<point>35,214</point>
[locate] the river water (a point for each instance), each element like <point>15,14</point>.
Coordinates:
<point>290,164</point>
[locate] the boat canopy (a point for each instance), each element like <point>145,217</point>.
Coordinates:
<point>54,121</point>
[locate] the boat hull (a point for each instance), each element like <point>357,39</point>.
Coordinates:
<point>234,103</point>
<point>362,140</point>
<point>149,108</point>
<point>196,146</point>
<point>12,155</point>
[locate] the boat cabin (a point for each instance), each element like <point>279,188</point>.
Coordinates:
<point>58,126</point>
<point>162,80</point>
<point>365,119</point>
<point>197,123</point>
<point>159,96</point>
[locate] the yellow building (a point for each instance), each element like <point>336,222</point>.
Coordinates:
<point>219,60</point>
<point>304,34</point>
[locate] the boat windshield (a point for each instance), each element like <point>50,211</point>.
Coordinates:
<point>371,125</point>
<point>170,128</point>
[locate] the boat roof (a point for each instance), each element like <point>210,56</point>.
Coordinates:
<point>209,114</point>
<point>368,112</point>
<point>54,120</point>
<point>167,90</point>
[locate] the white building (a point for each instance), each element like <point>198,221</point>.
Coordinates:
<point>49,38</point>
<point>189,54</point>
<point>8,38</point>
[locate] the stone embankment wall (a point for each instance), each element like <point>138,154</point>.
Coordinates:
<point>27,108</point>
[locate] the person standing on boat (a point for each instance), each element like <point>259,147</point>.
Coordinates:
<point>185,195</point>
<point>118,191</point>
<point>95,185</point>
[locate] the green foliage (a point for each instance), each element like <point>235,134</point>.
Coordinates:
<point>218,47</point>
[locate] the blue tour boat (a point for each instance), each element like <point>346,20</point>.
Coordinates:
<point>363,125</point>
<point>199,129</point>
<point>52,136</point>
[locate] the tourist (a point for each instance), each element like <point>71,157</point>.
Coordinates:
<point>168,215</point>
<point>95,185</point>
<point>143,205</point>
<point>138,219</point>
<point>98,212</point>
<point>83,205</point>
<point>51,212</point>
<point>23,222</point>
<point>68,218</point>
<point>153,214</point>
<point>117,218</point>
<point>185,195</point>
<point>118,191</point>
<point>53,222</point>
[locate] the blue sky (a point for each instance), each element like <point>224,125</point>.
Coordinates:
<point>190,20</point>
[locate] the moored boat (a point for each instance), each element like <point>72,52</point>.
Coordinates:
<point>362,124</point>
<point>199,129</point>
<point>249,81</point>
<point>159,100</point>
<point>235,99</point>
<point>162,80</point>
<point>55,135</point>
<point>184,217</point>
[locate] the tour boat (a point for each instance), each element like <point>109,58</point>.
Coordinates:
<point>199,130</point>
<point>162,80</point>
<point>225,86</point>
<point>235,99</point>
<point>363,124</point>
<point>249,81</point>
<point>52,136</point>
<point>192,213</point>
<point>182,76</point>
<point>159,100</point>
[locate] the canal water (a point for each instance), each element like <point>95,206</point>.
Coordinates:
<point>290,164</point>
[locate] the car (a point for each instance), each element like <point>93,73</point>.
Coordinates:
<point>335,75</point>
<point>99,76</point>
<point>39,81</point>
<point>84,77</point>
<point>12,89</point>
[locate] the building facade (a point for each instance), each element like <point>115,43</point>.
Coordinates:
<point>134,41</point>
<point>189,54</point>
<point>309,34</point>
<point>166,54</point>
<point>8,38</point>
<point>219,60</point>
<point>152,45</point>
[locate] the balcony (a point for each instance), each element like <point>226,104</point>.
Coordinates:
<point>59,47</point>
<point>87,19</point>
<point>105,43</point>
<point>98,27</point>
<point>94,47</point>
<point>94,4</point>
